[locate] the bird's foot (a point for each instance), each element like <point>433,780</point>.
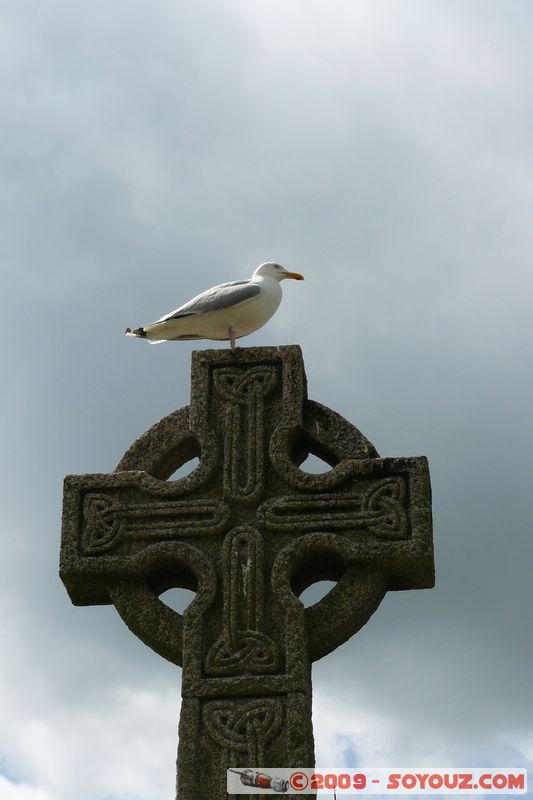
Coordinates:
<point>231,335</point>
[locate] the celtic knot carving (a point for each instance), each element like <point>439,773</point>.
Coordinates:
<point>103,526</point>
<point>107,521</point>
<point>244,727</point>
<point>251,652</point>
<point>380,510</point>
<point>243,648</point>
<point>384,506</point>
<point>239,386</point>
<point>244,394</point>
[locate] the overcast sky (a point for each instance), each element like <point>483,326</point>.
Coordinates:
<point>384,149</point>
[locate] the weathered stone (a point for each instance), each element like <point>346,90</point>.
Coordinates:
<point>248,531</point>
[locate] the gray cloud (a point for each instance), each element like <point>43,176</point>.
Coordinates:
<point>151,151</point>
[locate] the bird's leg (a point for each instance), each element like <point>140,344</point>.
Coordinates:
<point>231,335</point>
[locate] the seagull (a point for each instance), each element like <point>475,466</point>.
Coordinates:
<point>225,312</point>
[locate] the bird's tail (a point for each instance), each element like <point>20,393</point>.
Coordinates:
<point>138,333</point>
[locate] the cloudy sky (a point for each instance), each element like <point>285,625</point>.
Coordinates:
<point>384,148</point>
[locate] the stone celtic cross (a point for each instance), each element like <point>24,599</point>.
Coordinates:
<point>248,531</point>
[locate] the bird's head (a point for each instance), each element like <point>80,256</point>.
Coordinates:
<point>272,270</point>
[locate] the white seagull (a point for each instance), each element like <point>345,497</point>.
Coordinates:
<point>225,312</point>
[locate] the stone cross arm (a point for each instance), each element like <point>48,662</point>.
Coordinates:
<point>248,530</point>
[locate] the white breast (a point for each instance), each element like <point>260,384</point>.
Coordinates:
<point>252,315</point>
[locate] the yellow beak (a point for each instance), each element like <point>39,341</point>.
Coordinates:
<point>295,275</point>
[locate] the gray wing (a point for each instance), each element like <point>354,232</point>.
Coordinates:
<point>216,299</point>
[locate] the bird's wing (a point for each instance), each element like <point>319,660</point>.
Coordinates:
<point>219,297</point>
